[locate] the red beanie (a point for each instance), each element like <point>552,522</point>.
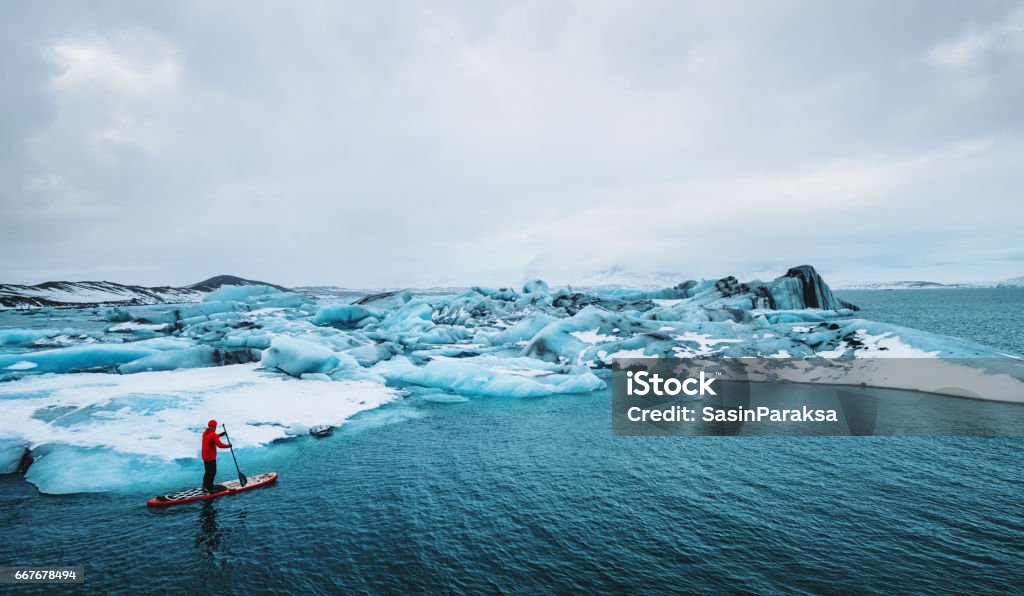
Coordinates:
<point>212,424</point>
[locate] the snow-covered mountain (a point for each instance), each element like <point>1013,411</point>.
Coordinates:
<point>92,293</point>
<point>1016,282</point>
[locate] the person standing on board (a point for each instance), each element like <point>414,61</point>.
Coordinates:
<point>211,441</point>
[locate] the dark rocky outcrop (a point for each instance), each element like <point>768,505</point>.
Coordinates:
<point>218,281</point>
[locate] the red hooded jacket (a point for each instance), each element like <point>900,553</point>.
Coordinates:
<point>210,444</point>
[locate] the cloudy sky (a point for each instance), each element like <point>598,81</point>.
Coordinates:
<point>410,143</point>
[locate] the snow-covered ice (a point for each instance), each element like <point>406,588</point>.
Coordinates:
<point>158,416</point>
<point>275,362</point>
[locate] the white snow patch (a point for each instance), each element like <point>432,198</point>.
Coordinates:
<point>667,302</point>
<point>593,336</point>
<point>884,345</point>
<point>161,414</point>
<point>133,326</point>
<point>637,353</point>
<point>836,353</point>
<point>266,311</point>
<point>892,344</point>
<point>522,372</point>
<point>706,345</point>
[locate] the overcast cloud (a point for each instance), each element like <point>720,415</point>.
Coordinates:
<point>403,143</point>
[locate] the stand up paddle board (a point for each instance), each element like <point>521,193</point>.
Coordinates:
<point>198,494</point>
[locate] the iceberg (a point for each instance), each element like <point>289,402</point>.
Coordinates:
<point>115,315</point>
<point>89,357</point>
<point>25,337</point>
<point>344,316</point>
<point>495,377</point>
<point>239,293</point>
<point>277,360</point>
<point>11,453</point>
<point>801,287</point>
<point>444,398</point>
<point>795,314</point>
<point>195,357</point>
<point>386,300</point>
<point>372,353</point>
<point>413,317</point>
<point>297,357</point>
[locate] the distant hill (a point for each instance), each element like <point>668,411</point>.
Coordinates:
<point>902,285</point>
<point>96,293</point>
<point>209,285</point>
<point>926,285</point>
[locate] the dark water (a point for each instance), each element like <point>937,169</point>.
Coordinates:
<point>990,316</point>
<point>538,496</point>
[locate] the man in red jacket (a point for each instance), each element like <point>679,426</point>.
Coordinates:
<point>211,441</point>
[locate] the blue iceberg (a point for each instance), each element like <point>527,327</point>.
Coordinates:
<point>284,361</point>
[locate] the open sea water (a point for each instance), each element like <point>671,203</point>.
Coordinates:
<point>508,495</point>
<point>989,316</point>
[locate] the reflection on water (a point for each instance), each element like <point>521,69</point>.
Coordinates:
<point>211,537</point>
<point>208,536</point>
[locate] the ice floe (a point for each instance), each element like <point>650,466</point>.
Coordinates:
<point>130,421</point>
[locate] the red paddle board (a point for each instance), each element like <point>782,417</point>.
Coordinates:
<point>198,494</point>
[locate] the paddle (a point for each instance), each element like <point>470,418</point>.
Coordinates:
<point>241,477</point>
